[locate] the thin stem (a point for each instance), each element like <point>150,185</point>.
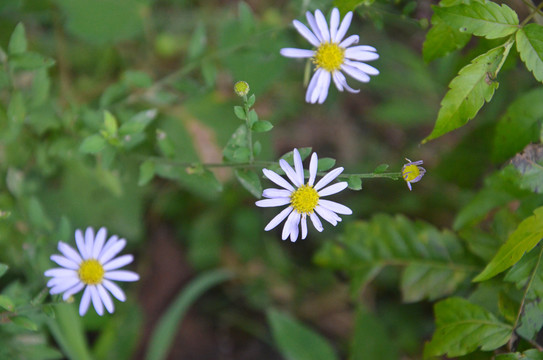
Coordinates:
<point>249,131</point>
<point>532,14</point>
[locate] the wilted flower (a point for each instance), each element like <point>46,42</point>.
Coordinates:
<point>303,199</point>
<point>412,172</point>
<point>93,268</point>
<point>332,55</point>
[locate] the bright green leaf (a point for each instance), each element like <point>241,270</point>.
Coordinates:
<point>380,169</point>
<point>530,48</point>
<point>474,85</point>
<point>147,172</point>
<point>250,181</point>
<point>325,164</point>
<point>110,124</point>
<point>240,112</point>
<point>462,327</point>
<point>296,341</point>
<point>93,144</point>
<point>354,183</point>
<point>253,117</point>
<point>262,126</point>
<point>486,19</point>
<point>67,330</point>
<point>30,61</point>
<point>251,100</point>
<point>7,303</point>
<point>442,39</point>
<point>523,239</point>
<point>17,41</point>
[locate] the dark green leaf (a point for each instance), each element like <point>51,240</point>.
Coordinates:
<point>532,354</point>
<point>237,140</point>
<point>530,48</point>
<point>24,322</point>
<point>138,123</point>
<point>147,172</point>
<point>474,85</point>
<point>486,19</point>
<point>296,341</point>
<point>67,330</point>
<point>30,61</point>
<point>246,17</point>
<point>16,108</point>
<point>17,41</point>
<point>523,239</point>
<point>40,87</point>
<point>262,126</point>
<point>250,181</point>
<point>462,327</point>
<point>165,144</point>
<point>93,144</point>
<point>380,169</point>
<point>3,269</point>
<point>531,321</point>
<point>370,340</point>
<point>197,43</point>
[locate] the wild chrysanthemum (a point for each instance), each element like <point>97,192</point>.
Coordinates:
<point>412,172</point>
<point>93,268</point>
<point>303,199</point>
<point>332,55</point>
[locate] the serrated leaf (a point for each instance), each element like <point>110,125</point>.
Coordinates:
<point>147,172</point>
<point>531,320</point>
<point>463,327</point>
<point>24,322</point>
<point>296,341</point>
<point>523,239</point>
<point>262,126</point>
<point>530,48</point>
<point>93,144</point>
<point>250,181</point>
<point>7,303</point>
<point>17,41</point>
<point>468,91</point>
<point>486,19</point>
<point>354,183</point>
<point>434,263</point>
<point>442,39</point>
<point>3,269</point>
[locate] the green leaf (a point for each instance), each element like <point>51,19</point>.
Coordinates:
<point>474,85</point>
<point>486,19</point>
<point>442,39</point>
<point>197,42</point>
<point>434,263</point>
<point>24,322</point>
<point>325,164</point>
<point>530,48</point>
<point>304,153</point>
<point>532,354</point>
<point>3,269</point>
<point>165,144</point>
<point>147,172</point>
<point>164,332</point>
<point>250,181</point>
<point>237,140</point>
<point>354,183</point>
<point>262,126</point>
<point>253,117</point>
<point>519,126</point>
<point>17,41</point>
<point>345,6</point>
<point>463,327</point>
<point>16,108</point>
<point>240,112</point>
<point>246,17</point>
<point>93,144</point>
<point>531,320</point>
<point>523,239</point>
<point>296,341</point>
<point>370,340</point>
<point>380,169</point>
<point>67,330</point>
<point>251,100</point>
<point>7,303</point>
<point>30,61</point>
<point>40,87</point>
<point>138,123</point>
<point>110,124</point>
<point>530,166</point>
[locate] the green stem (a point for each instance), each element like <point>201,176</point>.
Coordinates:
<point>249,131</point>
<point>532,14</point>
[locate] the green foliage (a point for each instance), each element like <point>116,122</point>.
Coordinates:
<point>370,339</point>
<point>530,48</point>
<point>462,327</point>
<point>529,164</point>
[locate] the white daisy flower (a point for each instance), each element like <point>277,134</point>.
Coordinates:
<point>93,268</point>
<point>412,172</point>
<point>303,199</point>
<point>332,55</point>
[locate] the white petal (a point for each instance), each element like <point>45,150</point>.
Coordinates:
<point>99,242</point>
<point>355,53</point>
<point>111,241</point>
<point>96,300</point>
<point>334,24</point>
<point>353,39</point>
<point>328,177</point>
<point>110,253</point>
<point>121,275</point>
<point>364,48</point>
<point>328,215</point>
<point>80,242</point>
<point>325,85</point>
<point>114,290</point>
<point>278,218</point>
<point>344,27</point>
<point>118,262</point>
<point>323,26</point>
<point>65,285</point>
<point>89,240</point>
<point>85,301</point>
<point>294,230</point>
<point>312,85</point>
<point>316,221</point>
<point>298,166</point>
<point>297,53</point>
<point>341,82</point>
<point>333,189</point>
<point>335,207</point>
<point>313,164</point>
<point>106,299</point>
<point>313,24</point>
<point>289,224</point>
<point>355,73</point>
<point>370,70</point>
<point>289,171</point>
<point>304,226</point>
<point>276,193</point>
<point>77,288</point>
<point>277,179</point>
<point>61,272</point>
<point>64,262</point>
<point>69,252</point>
<point>273,202</point>
<point>306,33</point>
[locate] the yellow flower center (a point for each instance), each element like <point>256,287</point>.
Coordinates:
<point>304,199</point>
<point>410,172</point>
<point>329,56</point>
<point>91,272</point>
